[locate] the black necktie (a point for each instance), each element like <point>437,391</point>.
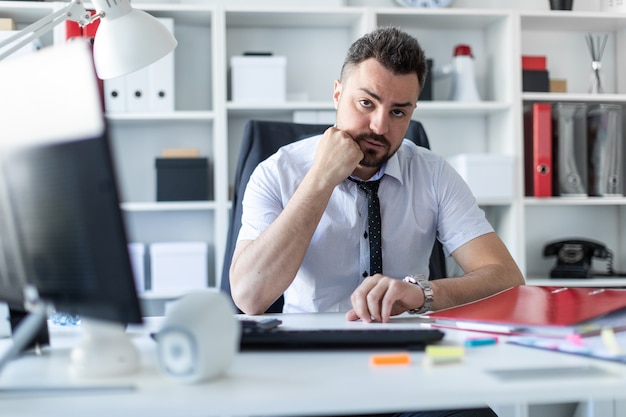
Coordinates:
<point>373,220</point>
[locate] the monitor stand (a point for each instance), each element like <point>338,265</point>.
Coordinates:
<point>105,350</point>
<point>25,332</point>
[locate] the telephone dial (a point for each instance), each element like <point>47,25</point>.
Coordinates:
<point>574,258</point>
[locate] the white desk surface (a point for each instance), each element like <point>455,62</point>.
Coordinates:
<point>298,383</point>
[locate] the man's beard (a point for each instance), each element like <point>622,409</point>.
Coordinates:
<point>370,157</point>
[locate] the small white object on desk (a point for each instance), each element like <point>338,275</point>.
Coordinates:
<point>199,338</point>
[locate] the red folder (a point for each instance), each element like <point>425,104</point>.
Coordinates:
<point>538,150</point>
<point>540,311</point>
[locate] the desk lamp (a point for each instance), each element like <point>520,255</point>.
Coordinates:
<point>126,41</point>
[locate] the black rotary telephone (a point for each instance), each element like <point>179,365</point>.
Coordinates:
<point>574,258</point>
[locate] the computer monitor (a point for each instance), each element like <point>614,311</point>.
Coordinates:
<point>63,205</point>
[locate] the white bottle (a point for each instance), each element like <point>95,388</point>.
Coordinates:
<point>463,76</point>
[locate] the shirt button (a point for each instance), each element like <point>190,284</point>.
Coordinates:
<point>365,235</point>
<point>364,274</point>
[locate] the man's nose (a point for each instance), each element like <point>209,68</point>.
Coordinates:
<point>379,123</point>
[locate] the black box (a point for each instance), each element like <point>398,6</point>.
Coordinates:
<point>182,179</point>
<point>535,81</point>
<point>427,90</point>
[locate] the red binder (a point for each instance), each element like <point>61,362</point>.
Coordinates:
<point>540,311</point>
<point>538,150</point>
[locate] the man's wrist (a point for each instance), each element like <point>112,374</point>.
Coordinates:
<point>427,290</point>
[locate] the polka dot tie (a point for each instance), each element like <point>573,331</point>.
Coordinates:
<point>374,228</point>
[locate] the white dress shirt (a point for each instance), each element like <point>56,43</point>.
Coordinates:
<point>421,197</point>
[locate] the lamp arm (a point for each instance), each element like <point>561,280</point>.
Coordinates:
<point>74,11</point>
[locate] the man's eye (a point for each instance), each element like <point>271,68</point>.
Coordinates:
<point>366,103</point>
<point>398,113</point>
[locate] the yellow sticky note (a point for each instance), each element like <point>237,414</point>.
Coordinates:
<point>443,354</point>
<point>610,342</point>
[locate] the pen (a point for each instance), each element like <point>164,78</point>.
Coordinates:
<point>474,342</point>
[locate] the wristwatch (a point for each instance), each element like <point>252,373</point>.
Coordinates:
<point>423,283</point>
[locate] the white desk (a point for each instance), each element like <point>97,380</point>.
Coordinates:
<point>296,383</point>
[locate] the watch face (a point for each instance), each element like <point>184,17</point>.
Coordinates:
<point>424,3</point>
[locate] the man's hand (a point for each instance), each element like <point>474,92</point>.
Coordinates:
<point>380,297</point>
<point>336,157</point>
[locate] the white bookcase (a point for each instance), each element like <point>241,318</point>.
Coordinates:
<point>314,38</point>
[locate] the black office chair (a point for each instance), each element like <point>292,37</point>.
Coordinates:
<point>260,140</point>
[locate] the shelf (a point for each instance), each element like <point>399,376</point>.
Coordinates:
<point>430,108</point>
<point>455,108</point>
<point>188,14</point>
<point>179,116</point>
<point>294,18</point>
<point>441,19</point>
<point>578,282</point>
<point>572,21</point>
<point>572,97</point>
<point>576,201</point>
<point>260,109</point>
<point>168,206</point>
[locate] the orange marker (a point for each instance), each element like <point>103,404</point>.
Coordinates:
<point>391,359</point>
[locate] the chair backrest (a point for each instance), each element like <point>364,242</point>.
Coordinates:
<point>262,139</point>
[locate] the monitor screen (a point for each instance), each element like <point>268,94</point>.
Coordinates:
<point>66,238</point>
<point>59,181</point>
<point>69,228</point>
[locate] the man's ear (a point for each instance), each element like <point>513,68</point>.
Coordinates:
<point>336,92</point>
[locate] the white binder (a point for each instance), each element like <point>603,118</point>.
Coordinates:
<point>161,78</point>
<point>137,91</point>
<point>115,95</point>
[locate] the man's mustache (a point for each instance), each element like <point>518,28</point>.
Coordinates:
<point>372,136</point>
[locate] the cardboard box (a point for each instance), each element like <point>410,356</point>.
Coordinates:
<point>6,23</point>
<point>488,176</point>
<point>558,86</point>
<point>182,179</point>
<point>179,266</point>
<point>257,78</point>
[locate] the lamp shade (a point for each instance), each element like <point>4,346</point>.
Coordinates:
<point>128,40</point>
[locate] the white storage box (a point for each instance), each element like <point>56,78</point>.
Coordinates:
<point>179,266</point>
<point>137,252</point>
<point>258,78</point>
<point>488,176</point>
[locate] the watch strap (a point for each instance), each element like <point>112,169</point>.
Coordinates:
<point>424,284</point>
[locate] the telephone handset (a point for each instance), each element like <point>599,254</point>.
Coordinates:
<point>574,257</point>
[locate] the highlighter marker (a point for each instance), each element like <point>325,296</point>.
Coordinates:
<point>481,341</point>
<point>391,359</point>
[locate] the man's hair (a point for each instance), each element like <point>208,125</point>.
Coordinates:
<point>394,49</point>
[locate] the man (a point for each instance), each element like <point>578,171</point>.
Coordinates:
<point>305,230</point>
<point>304,220</point>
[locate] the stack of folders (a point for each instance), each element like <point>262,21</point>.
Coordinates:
<point>573,149</point>
<point>541,311</point>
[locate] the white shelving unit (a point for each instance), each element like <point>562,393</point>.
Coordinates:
<point>561,37</point>
<point>315,39</point>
